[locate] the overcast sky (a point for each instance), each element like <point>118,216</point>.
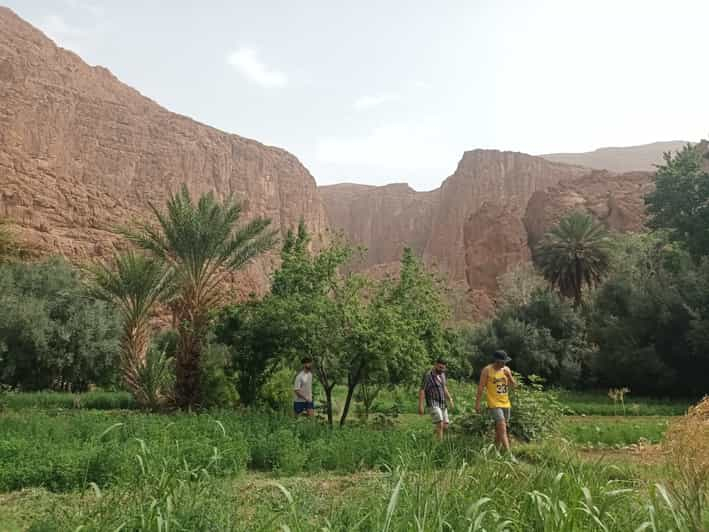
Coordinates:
<point>382,91</point>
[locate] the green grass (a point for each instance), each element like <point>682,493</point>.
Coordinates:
<point>599,431</point>
<point>97,400</point>
<point>599,404</point>
<point>66,450</point>
<point>63,467</point>
<point>421,491</point>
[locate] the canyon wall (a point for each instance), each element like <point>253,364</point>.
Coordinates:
<point>82,153</point>
<point>486,218</point>
<point>383,219</point>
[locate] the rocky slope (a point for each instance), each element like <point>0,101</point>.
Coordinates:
<point>615,199</point>
<point>81,153</point>
<point>625,159</point>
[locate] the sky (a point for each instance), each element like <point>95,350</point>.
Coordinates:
<point>378,91</point>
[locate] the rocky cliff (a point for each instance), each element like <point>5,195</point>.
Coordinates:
<point>498,178</point>
<point>81,153</point>
<point>485,218</point>
<point>617,200</point>
<point>383,219</point>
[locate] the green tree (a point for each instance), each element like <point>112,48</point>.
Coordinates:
<point>545,336</point>
<point>135,285</point>
<point>574,254</point>
<point>680,200</point>
<point>53,334</point>
<point>200,243</point>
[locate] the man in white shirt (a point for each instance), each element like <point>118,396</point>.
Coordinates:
<point>303,390</point>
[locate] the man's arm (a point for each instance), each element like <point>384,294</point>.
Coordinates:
<point>421,399</point>
<point>510,379</point>
<point>481,387</point>
<point>448,396</point>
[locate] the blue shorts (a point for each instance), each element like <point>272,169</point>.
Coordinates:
<point>301,406</point>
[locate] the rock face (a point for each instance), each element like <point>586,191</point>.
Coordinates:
<point>81,153</point>
<point>485,218</point>
<point>382,219</point>
<point>495,240</point>
<point>617,200</point>
<point>499,178</point>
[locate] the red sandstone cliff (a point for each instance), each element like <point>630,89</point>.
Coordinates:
<point>500,178</point>
<point>81,153</point>
<point>383,219</point>
<point>485,218</point>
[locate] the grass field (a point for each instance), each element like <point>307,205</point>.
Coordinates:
<point>65,465</point>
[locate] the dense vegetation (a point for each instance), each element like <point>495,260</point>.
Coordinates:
<point>595,310</point>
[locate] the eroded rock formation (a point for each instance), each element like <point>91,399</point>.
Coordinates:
<point>617,200</point>
<point>81,153</point>
<point>383,219</point>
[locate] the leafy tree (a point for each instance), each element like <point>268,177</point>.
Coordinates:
<point>200,243</point>
<point>680,201</point>
<point>545,336</point>
<point>53,335</point>
<point>648,320</point>
<point>574,254</point>
<point>135,284</point>
<point>253,333</point>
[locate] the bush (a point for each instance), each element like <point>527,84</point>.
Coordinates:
<point>535,414</point>
<point>545,336</point>
<point>52,334</point>
<point>277,392</point>
<point>217,385</point>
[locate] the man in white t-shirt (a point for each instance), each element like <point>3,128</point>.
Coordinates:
<point>303,390</point>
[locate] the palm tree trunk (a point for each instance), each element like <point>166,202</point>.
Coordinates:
<point>188,393</point>
<point>133,353</point>
<point>577,282</point>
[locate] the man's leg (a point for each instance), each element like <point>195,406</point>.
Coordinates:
<point>310,410</point>
<point>439,431</point>
<point>445,422</point>
<point>501,438</point>
<point>438,420</point>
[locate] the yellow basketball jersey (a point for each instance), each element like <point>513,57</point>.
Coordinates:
<point>497,393</point>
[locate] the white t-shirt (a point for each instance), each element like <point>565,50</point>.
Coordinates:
<point>304,384</point>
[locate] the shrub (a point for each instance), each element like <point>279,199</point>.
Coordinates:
<point>277,392</point>
<point>216,384</point>
<point>52,334</point>
<point>536,413</point>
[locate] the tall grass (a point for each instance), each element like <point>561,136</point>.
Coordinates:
<point>417,493</point>
<point>66,450</point>
<point>96,400</point>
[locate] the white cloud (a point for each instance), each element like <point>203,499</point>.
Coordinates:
<point>247,63</point>
<point>394,147</point>
<point>367,102</point>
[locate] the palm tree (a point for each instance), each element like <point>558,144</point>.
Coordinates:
<point>200,243</point>
<point>574,254</point>
<point>135,284</point>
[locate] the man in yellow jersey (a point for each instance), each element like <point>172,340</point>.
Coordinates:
<point>497,379</point>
